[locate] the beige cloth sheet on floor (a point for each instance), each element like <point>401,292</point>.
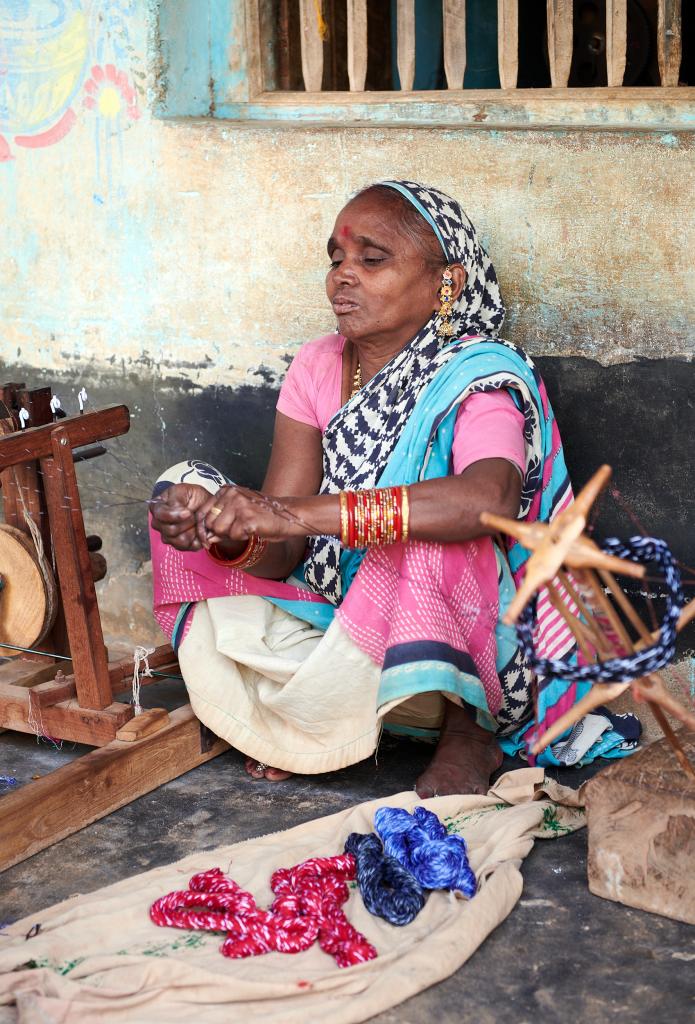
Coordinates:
<point>98,959</point>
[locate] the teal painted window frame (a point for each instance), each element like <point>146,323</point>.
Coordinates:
<point>220,65</point>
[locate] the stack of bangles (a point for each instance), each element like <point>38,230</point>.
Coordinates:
<point>367,519</point>
<point>373,518</point>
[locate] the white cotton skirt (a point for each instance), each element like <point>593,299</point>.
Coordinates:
<point>276,688</point>
<point>284,692</point>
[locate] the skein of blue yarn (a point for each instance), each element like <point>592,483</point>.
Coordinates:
<point>388,889</point>
<point>421,844</point>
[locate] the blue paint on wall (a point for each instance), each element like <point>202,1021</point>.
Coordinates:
<point>184,40</point>
<point>196,39</point>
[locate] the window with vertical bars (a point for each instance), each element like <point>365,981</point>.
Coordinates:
<point>414,45</point>
<point>606,64</point>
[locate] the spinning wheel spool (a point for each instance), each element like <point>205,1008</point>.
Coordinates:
<point>28,595</point>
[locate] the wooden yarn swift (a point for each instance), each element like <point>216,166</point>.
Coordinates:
<point>72,700</point>
<point>603,611</point>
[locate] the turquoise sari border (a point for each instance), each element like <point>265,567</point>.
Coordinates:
<point>415,677</point>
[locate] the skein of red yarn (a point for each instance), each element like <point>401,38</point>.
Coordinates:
<point>307,906</point>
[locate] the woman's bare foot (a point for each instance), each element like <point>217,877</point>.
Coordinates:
<point>258,770</point>
<point>465,758</point>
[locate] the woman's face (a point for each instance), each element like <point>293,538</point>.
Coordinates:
<point>379,284</point>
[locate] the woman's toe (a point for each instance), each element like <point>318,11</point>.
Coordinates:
<point>276,774</point>
<point>253,768</point>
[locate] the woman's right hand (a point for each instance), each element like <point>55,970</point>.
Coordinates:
<point>174,515</point>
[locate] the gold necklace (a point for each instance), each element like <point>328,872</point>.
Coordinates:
<point>356,381</point>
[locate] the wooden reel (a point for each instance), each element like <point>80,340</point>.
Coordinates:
<point>562,545</point>
<point>29,596</point>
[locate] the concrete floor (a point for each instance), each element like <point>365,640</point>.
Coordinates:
<point>562,955</point>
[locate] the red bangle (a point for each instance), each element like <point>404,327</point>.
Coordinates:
<point>251,554</point>
<point>351,503</point>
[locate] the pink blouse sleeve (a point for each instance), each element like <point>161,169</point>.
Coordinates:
<point>488,426</point>
<point>297,398</point>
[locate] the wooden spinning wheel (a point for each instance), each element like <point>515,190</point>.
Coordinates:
<point>74,693</point>
<point>28,592</point>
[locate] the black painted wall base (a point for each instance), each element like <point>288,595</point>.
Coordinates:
<point>639,417</point>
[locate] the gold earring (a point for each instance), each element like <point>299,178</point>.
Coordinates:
<point>446,329</point>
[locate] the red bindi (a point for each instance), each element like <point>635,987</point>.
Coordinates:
<point>345,231</point>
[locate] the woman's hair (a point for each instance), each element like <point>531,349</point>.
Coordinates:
<point>410,223</point>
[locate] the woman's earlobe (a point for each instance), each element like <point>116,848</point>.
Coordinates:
<point>460,277</point>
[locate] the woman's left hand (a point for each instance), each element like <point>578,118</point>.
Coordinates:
<point>233,513</point>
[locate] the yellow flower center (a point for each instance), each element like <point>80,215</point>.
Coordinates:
<point>110,102</point>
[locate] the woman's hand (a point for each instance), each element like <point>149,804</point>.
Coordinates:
<point>234,514</point>
<point>174,515</point>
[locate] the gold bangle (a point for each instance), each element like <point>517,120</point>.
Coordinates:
<point>344,523</point>
<point>377,526</point>
<point>405,514</point>
<point>360,539</point>
<point>256,553</point>
<point>390,512</point>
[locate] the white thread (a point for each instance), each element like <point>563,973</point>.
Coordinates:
<point>24,417</point>
<point>140,656</point>
<point>40,551</point>
<point>34,723</point>
<point>82,398</point>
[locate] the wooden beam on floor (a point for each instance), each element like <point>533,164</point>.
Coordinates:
<point>47,810</point>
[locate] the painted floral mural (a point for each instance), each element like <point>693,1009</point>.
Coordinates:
<point>109,93</point>
<point>51,51</point>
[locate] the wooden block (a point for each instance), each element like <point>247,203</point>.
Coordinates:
<point>641,819</point>
<point>65,720</point>
<point>41,813</point>
<point>46,694</point>
<point>23,672</point>
<point>142,725</point>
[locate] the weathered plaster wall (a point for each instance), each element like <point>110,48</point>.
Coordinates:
<point>177,265</point>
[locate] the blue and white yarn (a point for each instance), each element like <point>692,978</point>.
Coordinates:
<point>630,666</point>
<point>388,889</point>
<point>422,844</point>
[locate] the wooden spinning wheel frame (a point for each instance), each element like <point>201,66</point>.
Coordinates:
<point>76,700</point>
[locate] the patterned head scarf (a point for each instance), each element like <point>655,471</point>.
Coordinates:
<point>479,309</point>
<point>360,438</point>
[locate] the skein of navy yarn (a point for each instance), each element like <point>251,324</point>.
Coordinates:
<point>625,668</point>
<point>388,889</point>
<point>421,844</point>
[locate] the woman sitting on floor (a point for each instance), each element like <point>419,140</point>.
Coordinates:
<point>368,594</point>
